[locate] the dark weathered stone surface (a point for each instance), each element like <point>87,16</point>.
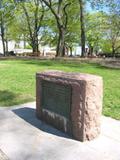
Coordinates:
<point>56,98</point>
<point>86,103</point>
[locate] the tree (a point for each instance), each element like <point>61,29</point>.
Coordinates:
<point>6,15</point>
<point>34,14</point>
<point>95,31</point>
<point>108,32</point>
<point>73,32</point>
<point>113,32</point>
<point>59,10</point>
<point>82,24</point>
<point>114,25</point>
<point>82,4</point>
<point>49,32</point>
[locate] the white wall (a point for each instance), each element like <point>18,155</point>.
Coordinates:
<point>1,47</point>
<point>11,46</point>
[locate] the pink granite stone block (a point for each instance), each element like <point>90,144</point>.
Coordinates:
<point>86,96</point>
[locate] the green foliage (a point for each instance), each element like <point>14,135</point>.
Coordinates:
<point>73,29</point>
<point>95,29</point>
<point>102,27</point>
<point>6,16</point>
<point>49,30</point>
<point>28,47</point>
<point>106,46</point>
<point>113,34</point>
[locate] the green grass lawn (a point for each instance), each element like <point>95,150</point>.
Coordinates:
<point>17,81</point>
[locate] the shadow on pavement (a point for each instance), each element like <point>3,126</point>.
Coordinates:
<point>29,115</point>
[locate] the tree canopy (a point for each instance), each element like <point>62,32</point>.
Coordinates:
<point>63,24</point>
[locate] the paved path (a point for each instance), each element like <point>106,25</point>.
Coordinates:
<point>23,137</point>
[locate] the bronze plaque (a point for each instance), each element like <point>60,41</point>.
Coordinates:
<point>56,98</point>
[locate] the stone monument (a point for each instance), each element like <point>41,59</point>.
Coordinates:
<point>71,102</point>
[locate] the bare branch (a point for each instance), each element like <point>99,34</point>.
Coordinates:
<point>66,15</point>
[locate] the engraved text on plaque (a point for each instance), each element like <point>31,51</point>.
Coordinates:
<point>56,98</point>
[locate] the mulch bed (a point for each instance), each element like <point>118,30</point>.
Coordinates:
<point>112,64</point>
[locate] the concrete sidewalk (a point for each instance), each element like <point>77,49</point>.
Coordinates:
<point>23,137</point>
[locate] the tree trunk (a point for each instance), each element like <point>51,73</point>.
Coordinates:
<point>71,51</point>
<point>35,48</point>
<point>91,48</point>
<point>113,50</point>
<point>6,41</point>
<point>61,43</point>
<point>2,34</point>
<point>81,3</point>
<point>67,50</point>
<point>24,42</point>
<point>35,44</point>
<point>3,40</point>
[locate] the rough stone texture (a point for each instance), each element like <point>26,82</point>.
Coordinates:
<point>86,104</point>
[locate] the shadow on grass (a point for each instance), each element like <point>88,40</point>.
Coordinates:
<point>7,97</point>
<point>64,63</point>
<point>68,64</point>
<point>81,64</point>
<point>38,62</point>
<point>29,115</point>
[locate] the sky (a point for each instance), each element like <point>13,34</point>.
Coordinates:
<point>115,7</point>
<point>89,8</point>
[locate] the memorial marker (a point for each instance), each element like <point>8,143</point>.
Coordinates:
<point>71,102</point>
